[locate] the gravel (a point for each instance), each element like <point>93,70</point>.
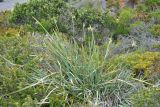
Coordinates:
<point>9,4</point>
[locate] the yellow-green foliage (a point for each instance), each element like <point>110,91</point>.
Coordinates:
<point>111,3</point>
<point>7,28</point>
<point>4,16</point>
<point>18,60</point>
<point>135,24</point>
<point>125,15</point>
<point>149,97</point>
<point>144,61</point>
<point>157,46</point>
<point>155,30</point>
<point>8,31</point>
<point>148,62</point>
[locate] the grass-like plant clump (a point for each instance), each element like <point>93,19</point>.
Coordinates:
<point>77,77</point>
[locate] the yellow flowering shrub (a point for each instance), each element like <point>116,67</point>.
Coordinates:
<point>145,61</point>
<point>148,62</point>
<point>7,28</point>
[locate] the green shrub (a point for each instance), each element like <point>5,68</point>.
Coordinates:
<point>9,29</point>
<point>53,14</point>
<point>152,4</point>
<point>124,21</point>
<point>89,17</point>
<point>42,10</point>
<point>149,97</point>
<point>70,20</point>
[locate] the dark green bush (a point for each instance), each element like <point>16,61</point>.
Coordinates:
<point>43,10</point>
<point>54,11</point>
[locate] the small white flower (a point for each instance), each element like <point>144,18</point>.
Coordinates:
<point>117,20</point>
<point>134,44</point>
<point>90,28</point>
<point>73,17</point>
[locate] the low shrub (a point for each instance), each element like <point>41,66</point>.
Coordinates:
<point>18,60</point>
<point>124,21</point>
<point>10,29</point>
<point>155,30</point>
<point>4,18</point>
<point>43,10</point>
<point>149,97</point>
<point>143,64</point>
<point>149,10</point>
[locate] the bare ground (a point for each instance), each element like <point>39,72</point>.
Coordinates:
<point>9,4</point>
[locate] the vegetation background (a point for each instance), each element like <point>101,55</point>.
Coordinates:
<point>80,53</point>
